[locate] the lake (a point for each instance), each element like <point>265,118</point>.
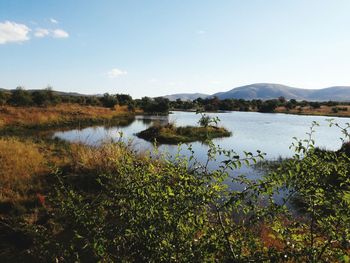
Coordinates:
<point>271,133</point>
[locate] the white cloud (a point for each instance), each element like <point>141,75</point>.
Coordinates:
<point>59,33</point>
<point>53,21</point>
<point>13,32</point>
<point>115,73</point>
<point>56,33</point>
<point>41,32</point>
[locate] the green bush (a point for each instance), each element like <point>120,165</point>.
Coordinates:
<point>150,209</point>
<point>21,97</point>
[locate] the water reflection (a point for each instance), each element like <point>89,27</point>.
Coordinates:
<point>270,133</point>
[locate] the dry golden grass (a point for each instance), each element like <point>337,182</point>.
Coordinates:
<point>102,158</point>
<point>20,162</point>
<point>27,116</point>
<point>322,111</point>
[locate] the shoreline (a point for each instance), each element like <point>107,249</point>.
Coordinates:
<point>275,112</point>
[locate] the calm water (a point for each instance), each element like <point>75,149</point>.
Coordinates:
<point>270,133</point>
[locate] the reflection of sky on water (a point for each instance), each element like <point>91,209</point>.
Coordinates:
<point>270,133</point>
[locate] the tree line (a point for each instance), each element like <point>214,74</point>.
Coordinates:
<point>49,97</point>
<point>215,104</point>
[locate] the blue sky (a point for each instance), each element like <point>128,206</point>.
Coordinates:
<point>151,48</point>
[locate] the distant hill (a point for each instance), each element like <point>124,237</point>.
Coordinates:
<point>338,93</point>
<point>186,96</point>
<point>266,91</point>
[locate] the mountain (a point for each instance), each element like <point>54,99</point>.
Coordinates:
<point>186,96</point>
<point>264,91</point>
<point>338,93</point>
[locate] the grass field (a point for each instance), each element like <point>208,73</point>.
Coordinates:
<point>53,116</point>
<point>335,111</point>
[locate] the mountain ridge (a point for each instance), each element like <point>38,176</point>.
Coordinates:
<point>266,91</point>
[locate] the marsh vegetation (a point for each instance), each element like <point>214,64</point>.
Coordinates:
<point>172,134</point>
<point>67,202</point>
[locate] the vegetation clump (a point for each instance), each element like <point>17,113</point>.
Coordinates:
<point>16,175</point>
<point>137,208</point>
<point>58,116</point>
<point>173,135</point>
<point>75,203</point>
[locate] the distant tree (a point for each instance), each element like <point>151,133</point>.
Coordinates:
<point>291,104</point>
<point>109,101</point>
<point>303,103</point>
<point>131,105</point>
<point>45,97</point>
<point>293,101</point>
<point>123,99</point>
<point>161,104</point>
<point>268,106</point>
<point>155,105</point>
<point>3,97</point>
<point>331,103</point>
<point>146,104</point>
<point>282,100</point>
<point>40,98</point>
<point>315,104</point>
<point>53,97</point>
<point>20,97</point>
<point>93,100</point>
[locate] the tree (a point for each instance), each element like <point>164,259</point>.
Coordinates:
<point>206,120</point>
<point>315,104</point>
<point>3,98</point>
<point>124,99</point>
<point>155,105</point>
<point>268,106</point>
<point>161,104</point>
<point>21,97</point>
<point>109,101</point>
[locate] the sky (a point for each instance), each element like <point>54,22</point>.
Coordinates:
<point>159,47</point>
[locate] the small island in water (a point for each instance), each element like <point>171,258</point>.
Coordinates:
<point>170,134</point>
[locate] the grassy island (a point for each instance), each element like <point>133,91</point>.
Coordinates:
<point>173,135</point>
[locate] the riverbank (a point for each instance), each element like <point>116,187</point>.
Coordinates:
<point>57,116</point>
<point>327,111</point>
<point>24,121</point>
<point>64,200</point>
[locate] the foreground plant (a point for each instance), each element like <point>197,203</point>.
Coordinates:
<point>123,207</point>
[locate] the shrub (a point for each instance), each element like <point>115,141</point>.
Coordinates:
<point>206,120</point>
<point>123,207</point>
<point>268,106</point>
<point>109,101</point>
<point>3,98</point>
<point>20,97</point>
<point>45,97</point>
